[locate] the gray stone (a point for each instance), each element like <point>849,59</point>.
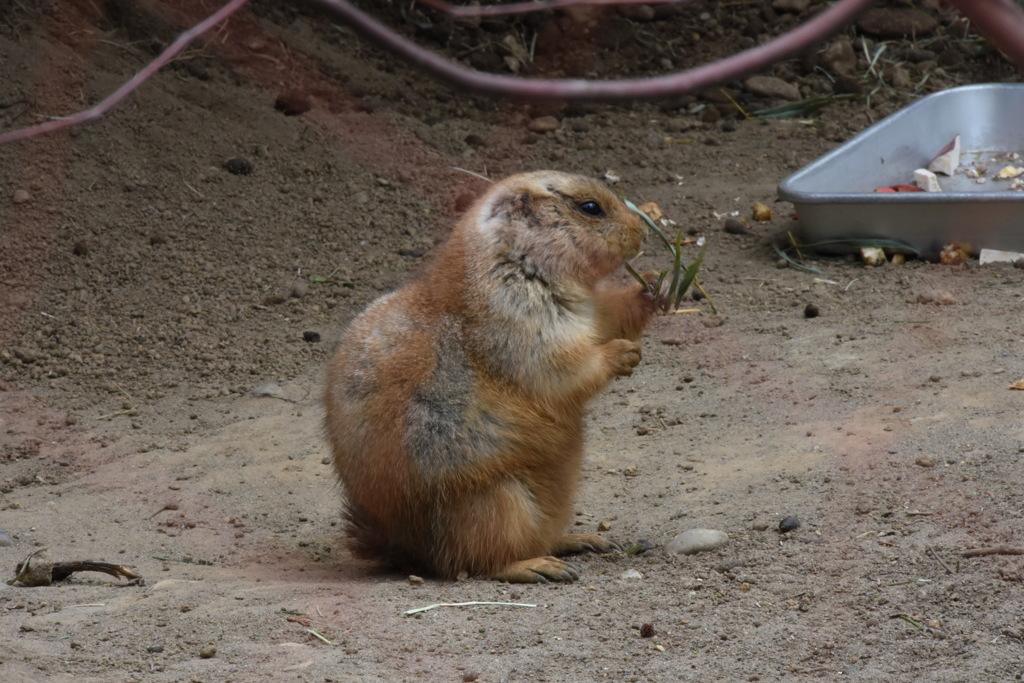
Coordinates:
<point>770,86</point>
<point>697,541</point>
<point>542,124</point>
<point>897,22</point>
<point>839,57</point>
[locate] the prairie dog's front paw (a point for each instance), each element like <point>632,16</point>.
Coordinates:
<point>624,355</point>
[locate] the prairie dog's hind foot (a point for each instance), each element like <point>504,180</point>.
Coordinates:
<point>547,569</point>
<point>538,570</point>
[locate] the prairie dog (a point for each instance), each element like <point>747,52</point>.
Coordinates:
<point>455,404</point>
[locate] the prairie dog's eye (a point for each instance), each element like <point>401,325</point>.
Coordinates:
<point>591,208</point>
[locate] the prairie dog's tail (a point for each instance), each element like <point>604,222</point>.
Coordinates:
<point>368,541</point>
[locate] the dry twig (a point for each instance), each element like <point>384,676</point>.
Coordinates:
<point>931,551</point>
<point>462,604</point>
<point>996,550</point>
<point>30,575</point>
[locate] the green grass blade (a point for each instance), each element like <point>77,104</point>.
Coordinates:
<point>674,295</point>
<point>691,273</point>
<point>651,224</point>
<point>796,264</point>
<point>803,108</point>
<point>638,277</point>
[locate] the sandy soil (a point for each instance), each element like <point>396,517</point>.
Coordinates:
<point>147,288</point>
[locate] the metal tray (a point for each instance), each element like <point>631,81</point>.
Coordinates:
<point>837,206</point>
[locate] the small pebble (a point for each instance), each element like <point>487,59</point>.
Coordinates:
<point>268,389</point>
<point>811,311</point>
<point>542,124</point>
<point>311,337</point>
<point>21,196</point>
<point>238,166</point>
<point>208,651</point>
<point>5,539</point>
<point>155,648</point>
<point>697,541</point>
<point>299,289</point>
<point>631,575</point>
<point>197,70</point>
<point>415,580</point>
<point>293,103</point>
<point>789,524</point>
<point>839,57</point>
<point>925,461</point>
<point>735,226</point>
<point>604,525</point>
<point>772,87</point>
<point>897,22</point>
<point>941,298</point>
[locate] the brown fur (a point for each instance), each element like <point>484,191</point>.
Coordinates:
<point>455,405</point>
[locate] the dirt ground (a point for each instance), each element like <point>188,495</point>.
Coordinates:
<point>148,287</point>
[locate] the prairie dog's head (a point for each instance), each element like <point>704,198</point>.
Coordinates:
<point>564,226</point>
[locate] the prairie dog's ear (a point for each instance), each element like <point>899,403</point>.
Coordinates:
<point>514,200</point>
